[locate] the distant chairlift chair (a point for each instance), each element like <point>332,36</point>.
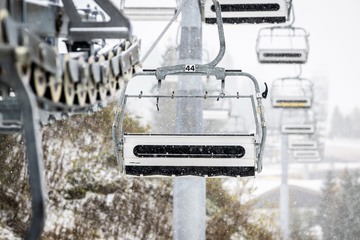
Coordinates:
<point>248,11</point>
<point>298,122</point>
<point>307,156</point>
<point>291,93</point>
<point>282,45</point>
<point>148,12</point>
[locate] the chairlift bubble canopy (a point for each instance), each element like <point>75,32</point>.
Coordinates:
<point>248,11</point>
<point>291,93</point>
<point>282,45</point>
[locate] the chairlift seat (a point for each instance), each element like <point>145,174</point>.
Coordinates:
<point>291,102</point>
<point>280,56</point>
<point>298,129</point>
<point>189,154</point>
<point>303,145</point>
<point>304,154</point>
<point>247,11</point>
<point>282,45</point>
<point>150,13</point>
<point>309,160</point>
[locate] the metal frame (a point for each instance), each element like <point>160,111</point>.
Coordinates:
<point>30,66</point>
<point>282,97</point>
<point>248,11</point>
<point>118,27</point>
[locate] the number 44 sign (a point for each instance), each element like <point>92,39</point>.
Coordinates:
<point>190,68</point>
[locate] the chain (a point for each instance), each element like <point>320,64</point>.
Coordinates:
<point>69,83</point>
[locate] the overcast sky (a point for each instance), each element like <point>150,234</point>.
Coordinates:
<point>334,46</point>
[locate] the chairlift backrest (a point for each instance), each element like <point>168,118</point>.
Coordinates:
<point>148,10</point>
<point>247,11</point>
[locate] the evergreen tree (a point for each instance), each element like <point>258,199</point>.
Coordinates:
<point>329,209</point>
<point>349,218</point>
<point>337,123</point>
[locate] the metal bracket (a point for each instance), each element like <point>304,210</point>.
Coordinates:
<point>81,31</point>
<point>9,58</point>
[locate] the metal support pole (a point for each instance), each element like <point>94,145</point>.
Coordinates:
<point>31,127</point>
<point>284,190</point>
<point>189,209</point>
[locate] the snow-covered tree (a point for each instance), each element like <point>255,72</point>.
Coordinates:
<point>329,209</point>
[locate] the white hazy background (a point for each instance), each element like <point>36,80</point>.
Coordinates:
<point>334,47</point>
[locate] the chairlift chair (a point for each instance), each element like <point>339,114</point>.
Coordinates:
<point>282,45</point>
<point>303,145</point>
<point>306,156</point>
<point>197,154</point>
<point>238,154</point>
<point>247,11</point>
<point>148,12</point>
<point>291,93</point>
<point>219,111</point>
<point>297,122</point>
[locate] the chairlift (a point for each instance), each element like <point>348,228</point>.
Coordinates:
<point>197,154</point>
<point>282,45</point>
<point>297,122</point>
<point>212,155</point>
<point>291,93</point>
<point>247,11</point>
<point>303,145</point>
<point>307,156</point>
<point>148,13</point>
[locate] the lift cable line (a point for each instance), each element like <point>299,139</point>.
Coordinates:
<point>175,154</point>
